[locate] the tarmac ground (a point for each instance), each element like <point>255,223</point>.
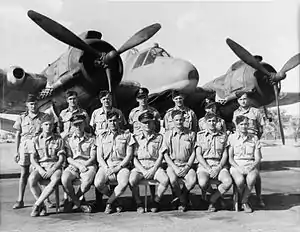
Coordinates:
<point>281,192</point>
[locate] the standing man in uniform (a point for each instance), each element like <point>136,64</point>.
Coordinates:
<point>114,152</point>
<point>47,160</point>
<point>147,161</point>
<point>81,156</point>
<point>27,125</point>
<point>65,126</point>
<point>244,158</point>
<point>179,153</point>
<point>212,154</point>
<point>190,118</point>
<point>99,124</point>
<point>142,98</point>
<point>255,127</point>
<point>211,107</point>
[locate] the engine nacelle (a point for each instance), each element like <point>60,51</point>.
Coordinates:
<point>15,76</point>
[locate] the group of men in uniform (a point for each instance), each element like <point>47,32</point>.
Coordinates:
<point>121,154</point>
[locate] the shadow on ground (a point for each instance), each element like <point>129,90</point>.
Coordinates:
<point>279,165</point>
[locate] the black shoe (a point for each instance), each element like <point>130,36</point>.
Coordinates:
<point>43,211</point>
<point>18,205</point>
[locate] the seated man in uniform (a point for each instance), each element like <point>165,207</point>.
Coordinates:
<point>212,154</point>
<point>114,153</point>
<point>81,156</point>
<point>244,158</point>
<point>47,160</point>
<point>179,153</point>
<point>147,161</point>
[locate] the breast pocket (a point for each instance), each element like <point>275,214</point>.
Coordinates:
<point>154,148</point>
<point>250,148</point>
<point>121,146</point>
<point>86,148</point>
<point>26,125</point>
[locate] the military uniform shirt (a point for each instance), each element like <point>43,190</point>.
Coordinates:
<point>212,145</point>
<point>29,126</point>
<point>255,118</point>
<point>147,150</point>
<point>244,147</point>
<point>80,148</point>
<point>98,119</point>
<point>47,150</point>
<point>114,145</point>
<point>179,144</point>
<point>65,116</point>
<point>134,115</point>
<point>190,119</point>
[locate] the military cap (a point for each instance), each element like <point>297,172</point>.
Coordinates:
<point>70,93</point>
<point>176,93</point>
<point>104,93</point>
<point>111,114</point>
<point>146,117</point>
<point>31,98</point>
<point>177,112</point>
<point>142,93</point>
<point>209,104</point>
<point>47,118</point>
<point>77,118</point>
<point>240,93</point>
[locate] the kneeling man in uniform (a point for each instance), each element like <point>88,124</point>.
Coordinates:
<point>114,153</point>
<point>47,160</point>
<point>147,161</point>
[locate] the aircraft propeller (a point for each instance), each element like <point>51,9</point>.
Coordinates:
<point>101,59</point>
<point>274,78</point>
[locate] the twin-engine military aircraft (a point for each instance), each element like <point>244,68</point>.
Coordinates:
<point>90,65</point>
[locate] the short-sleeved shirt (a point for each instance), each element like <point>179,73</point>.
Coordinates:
<point>47,150</point>
<point>220,125</point>
<point>179,144</point>
<point>212,145</point>
<point>190,119</point>
<point>114,145</point>
<point>244,146</point>
<point>147,149</point>
<point>29,125</point>
<point>256,119</point>
<point>65,116</point>
<point>80,148</point>
<point>134,115</point>
<point>99,121</point>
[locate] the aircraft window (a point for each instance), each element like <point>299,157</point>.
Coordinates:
<point>151,57</point>
<point>140,60</point>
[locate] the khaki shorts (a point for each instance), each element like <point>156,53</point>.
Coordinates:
<point>25,149</point>
<point>75,171</point>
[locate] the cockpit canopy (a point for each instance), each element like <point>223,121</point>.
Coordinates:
<point>149,56</point>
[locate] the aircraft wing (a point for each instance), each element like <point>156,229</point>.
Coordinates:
<point>286,99</point>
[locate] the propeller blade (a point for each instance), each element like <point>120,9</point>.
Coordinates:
<point>140,37</point>
<point>60,32</point>
<point>291,63</point>
<point>278,113</point>
<point>108,75</point>
<point>246,56</point>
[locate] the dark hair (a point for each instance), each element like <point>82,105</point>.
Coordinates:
<point>104,93</point>
<point>176,112</point>
<point>210,115</point>
<point>240,119</point>
<point>111,114</point>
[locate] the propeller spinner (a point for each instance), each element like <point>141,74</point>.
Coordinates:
<point>274,78</point>
<point>101,59</point>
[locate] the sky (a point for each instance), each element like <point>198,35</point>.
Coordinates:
<point>195,31</point>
